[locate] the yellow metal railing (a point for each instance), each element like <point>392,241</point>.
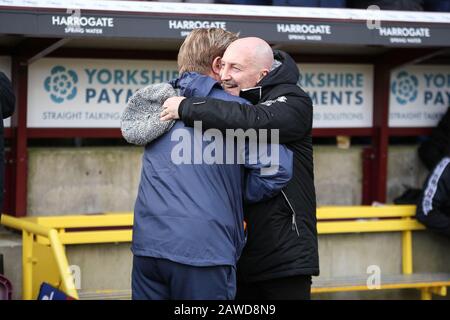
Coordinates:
<point>29,231</point>
<point>43,231</point>
<point>387,218</point>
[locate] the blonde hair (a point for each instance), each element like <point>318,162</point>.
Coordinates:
<point>201,47</point>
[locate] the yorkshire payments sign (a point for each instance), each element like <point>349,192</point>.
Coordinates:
<point>342,95</point>
<point>80,93</point>
<point>419,95</point>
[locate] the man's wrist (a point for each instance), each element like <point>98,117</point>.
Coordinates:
<point>180,108</point>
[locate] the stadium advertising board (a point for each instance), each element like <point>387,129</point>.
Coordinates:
<point>419,95</point>
<point>80,93</point>
<point>342,95</point>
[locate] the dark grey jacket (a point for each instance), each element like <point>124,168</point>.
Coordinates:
<point>282,234</point>
<point>7,102</point>
<point>433,209</point>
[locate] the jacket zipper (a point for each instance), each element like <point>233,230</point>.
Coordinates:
<point>294,221</point>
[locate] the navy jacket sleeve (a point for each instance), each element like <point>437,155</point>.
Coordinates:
<point>223,95</point>
<point>433,209</point>
<point>7,98</point>
<point>265,178</point>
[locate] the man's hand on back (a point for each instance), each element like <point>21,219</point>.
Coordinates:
<point>170,109</point>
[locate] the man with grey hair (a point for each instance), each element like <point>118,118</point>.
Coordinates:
<point>281,253</point>
<point>188,228</point>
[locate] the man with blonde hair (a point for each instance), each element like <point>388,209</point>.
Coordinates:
<point>281,254</point>
<point>200,53</point>
<point>188,219</point>
<point>202,50</point>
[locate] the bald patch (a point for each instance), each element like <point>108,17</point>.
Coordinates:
<point>256,51</point>
<point>263,56</point>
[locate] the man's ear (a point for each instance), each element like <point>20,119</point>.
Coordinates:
<point>216,65</point>
<point>262,74</point>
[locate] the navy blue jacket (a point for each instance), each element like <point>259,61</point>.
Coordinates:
<point>282,231</point>
<point>193,213</point>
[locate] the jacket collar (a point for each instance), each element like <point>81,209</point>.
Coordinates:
<point>254,94</point>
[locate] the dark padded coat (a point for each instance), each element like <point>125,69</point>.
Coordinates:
<point>282,234</point>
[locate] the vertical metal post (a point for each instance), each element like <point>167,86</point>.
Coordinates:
<point>19,142</point>
<point>407,257</point>
<point>381,135</point>
<point>27,265</point>
<point>368,176</point>
<point>425,294</point>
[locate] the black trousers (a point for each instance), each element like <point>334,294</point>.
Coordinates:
<point>288,288</point>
